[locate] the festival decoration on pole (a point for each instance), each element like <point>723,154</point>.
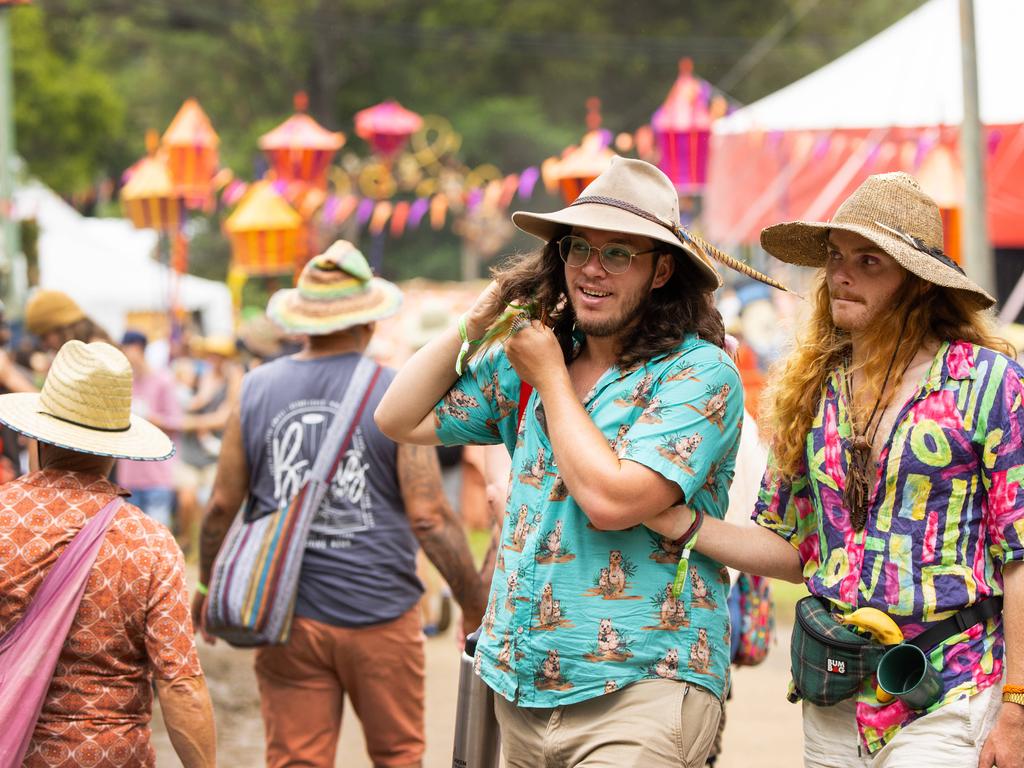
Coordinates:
<point>581,165</point>
<point>191,146</point>
<point>300,149</point>
<point>150,198</point>
<point>268,236</point>
<point>682,129</point>
<point>386,127</point>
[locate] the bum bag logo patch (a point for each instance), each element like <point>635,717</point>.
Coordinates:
<point>836,665</point>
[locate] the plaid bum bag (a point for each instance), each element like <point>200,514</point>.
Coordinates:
<point>829,661</point>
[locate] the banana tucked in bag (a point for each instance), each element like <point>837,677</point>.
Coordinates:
<point>882,628</point>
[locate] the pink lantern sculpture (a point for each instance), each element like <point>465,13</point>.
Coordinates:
<point>387,127</point>
<point>300,149</point>
<point>682,129</point>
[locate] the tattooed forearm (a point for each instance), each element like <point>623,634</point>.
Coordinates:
<point>446,547</point>
<point>439,533</point>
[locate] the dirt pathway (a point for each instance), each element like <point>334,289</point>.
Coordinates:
<point>762,730</point>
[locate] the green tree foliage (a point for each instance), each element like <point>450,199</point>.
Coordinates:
<point>67,113</point>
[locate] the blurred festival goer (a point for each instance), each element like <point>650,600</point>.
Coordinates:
<point>217,389</point>
<point>12,379</point>
<point>55,318</point>
<point>131,627</point>
<point>153,397</point>
<point>357,631</point>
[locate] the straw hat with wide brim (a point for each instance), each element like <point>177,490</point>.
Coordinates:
<point>336,290</point>
<point>891,211</point>
<point>635,198</point>
<point>85,406</point>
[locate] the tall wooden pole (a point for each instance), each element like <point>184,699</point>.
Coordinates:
<point>977,249</point>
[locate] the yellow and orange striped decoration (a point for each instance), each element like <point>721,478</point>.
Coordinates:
<point>149,198</point>
<point>191,146</point>
<point>267,235</point>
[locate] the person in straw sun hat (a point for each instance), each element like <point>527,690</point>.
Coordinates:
<point>895,484</point>
<point>131,627</point>
<point>635,405</point>
<point>358,595</point>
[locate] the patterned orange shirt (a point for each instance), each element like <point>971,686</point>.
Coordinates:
<point>134,620</point>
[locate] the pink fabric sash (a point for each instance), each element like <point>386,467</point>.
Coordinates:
<point>29,652</point>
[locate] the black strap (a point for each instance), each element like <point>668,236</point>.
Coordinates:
<point>959,622</point>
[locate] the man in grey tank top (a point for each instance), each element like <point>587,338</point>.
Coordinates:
<point>357,628</point>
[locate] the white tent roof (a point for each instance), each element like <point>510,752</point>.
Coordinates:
<point>908,75</point>
<point>106,265</point>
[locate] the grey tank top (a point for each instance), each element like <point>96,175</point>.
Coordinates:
<point>359,567</point>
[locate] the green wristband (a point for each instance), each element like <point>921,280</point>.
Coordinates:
<point>688,539</point>
<point>464,349</point>
<point>202,589</point>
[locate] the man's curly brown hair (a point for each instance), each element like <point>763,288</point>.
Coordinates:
<point>684,304</point>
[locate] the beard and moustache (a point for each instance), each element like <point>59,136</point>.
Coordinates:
<point>634,306</point>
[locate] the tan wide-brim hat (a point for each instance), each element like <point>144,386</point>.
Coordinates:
<point>893,212</point>
<point>46,311</point>
<point>336,290</point>
<point>635,198</point>
<point>85,406</point>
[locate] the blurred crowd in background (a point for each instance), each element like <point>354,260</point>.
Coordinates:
<point>189,383</point>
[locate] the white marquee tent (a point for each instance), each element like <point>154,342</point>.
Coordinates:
<point>107,266</point>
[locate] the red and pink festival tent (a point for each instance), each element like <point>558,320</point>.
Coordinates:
<point>893,103</point>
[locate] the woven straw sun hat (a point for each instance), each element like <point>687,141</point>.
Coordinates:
<point>635,198</point>
<point>85,406</point>
<point>336,290</point>
<point>891,211</point>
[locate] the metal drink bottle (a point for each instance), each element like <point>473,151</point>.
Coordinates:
<point>477,743</point>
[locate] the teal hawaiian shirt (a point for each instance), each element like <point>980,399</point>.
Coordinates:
<point>575,612</point>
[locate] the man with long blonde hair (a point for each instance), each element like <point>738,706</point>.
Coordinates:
<point>896,428</point>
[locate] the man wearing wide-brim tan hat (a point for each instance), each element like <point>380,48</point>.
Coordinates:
<point>592,642</point>
<point>895,484</point>
<point>132,628</point>
<point>357,630</point>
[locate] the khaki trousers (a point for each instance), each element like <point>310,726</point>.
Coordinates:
<point>651,723</point>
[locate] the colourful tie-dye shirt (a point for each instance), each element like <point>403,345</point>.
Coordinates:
<point>575,612</point>
<point>946,511</point>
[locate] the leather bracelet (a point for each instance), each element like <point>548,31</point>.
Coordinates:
<point>695,524</point>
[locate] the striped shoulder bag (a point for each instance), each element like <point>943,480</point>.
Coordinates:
<point>255,577</point>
